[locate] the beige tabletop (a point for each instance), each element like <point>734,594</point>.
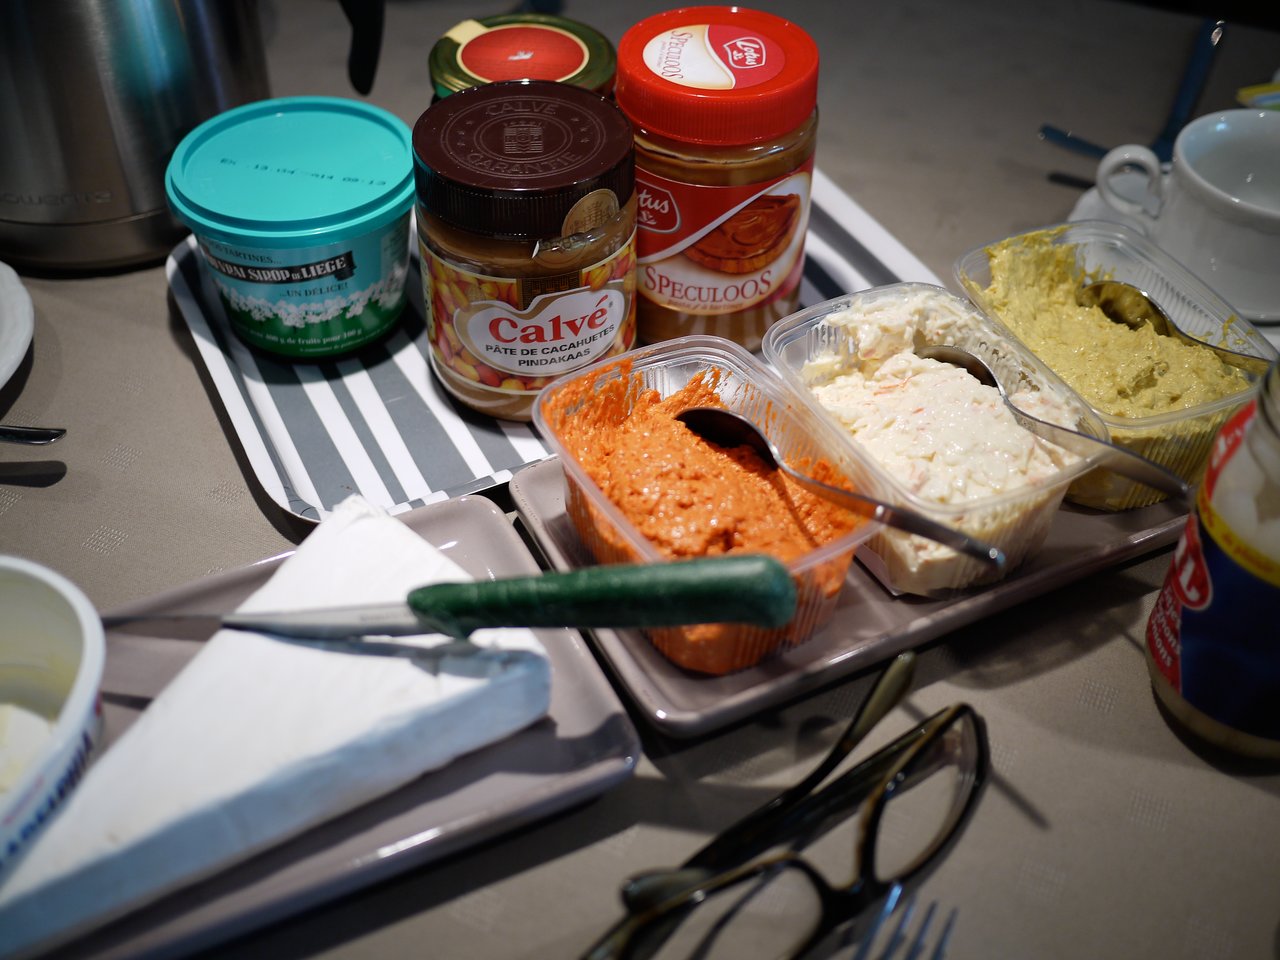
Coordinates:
<point>1103,832</point>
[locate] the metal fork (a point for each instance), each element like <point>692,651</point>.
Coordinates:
<point>899,937</point>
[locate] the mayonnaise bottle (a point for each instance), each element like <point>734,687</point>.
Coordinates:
<point>1213,638</point>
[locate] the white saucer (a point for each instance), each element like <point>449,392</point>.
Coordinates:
<point>17,321</point>
<point>1091,206</point>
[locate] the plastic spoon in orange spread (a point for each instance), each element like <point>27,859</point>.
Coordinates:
<point>729,429</point>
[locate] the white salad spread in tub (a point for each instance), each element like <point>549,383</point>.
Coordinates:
<point>941,434</point>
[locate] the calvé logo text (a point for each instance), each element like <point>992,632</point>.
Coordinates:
<point>553,329</point>
<point>559,331</point>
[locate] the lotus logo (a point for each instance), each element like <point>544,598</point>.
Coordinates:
<point>745,53</point>
<point>656,209</point>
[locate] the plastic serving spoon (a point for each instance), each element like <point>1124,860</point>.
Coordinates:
<point>1115,458</point>
<point>743,588</point>
<point>1124,303</point>
<point>729,429</point>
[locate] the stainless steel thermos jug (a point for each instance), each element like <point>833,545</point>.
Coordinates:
<point>94,97</point>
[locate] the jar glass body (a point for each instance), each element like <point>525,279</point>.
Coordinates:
<point>1211,639</point>
<point>1247,492</point>
<point>507,315</point>
<point>728,262</point>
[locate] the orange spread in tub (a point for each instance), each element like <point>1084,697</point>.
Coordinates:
<point>692,498</point>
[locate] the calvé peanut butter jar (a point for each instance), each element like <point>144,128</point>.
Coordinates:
<point>723,101</point>
<point>526,225</point>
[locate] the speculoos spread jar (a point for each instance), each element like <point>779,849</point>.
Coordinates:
<point>526,224</point>
<point>723,101</point>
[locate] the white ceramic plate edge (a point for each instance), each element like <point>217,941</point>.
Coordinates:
<point>17,322</point>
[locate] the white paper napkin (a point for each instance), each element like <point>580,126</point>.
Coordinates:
<point>259,739</point>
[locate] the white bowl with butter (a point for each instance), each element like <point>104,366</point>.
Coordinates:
<point>51,659</point>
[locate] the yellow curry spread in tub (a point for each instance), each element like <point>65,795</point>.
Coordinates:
<point>1120,370</point>
<point>1157,396</point>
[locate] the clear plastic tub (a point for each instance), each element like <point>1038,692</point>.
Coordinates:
<point>812,346</point>
<point>1179,439</point>
<point>750,388</point>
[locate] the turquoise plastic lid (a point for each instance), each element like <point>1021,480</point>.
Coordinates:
<point>292,171</point>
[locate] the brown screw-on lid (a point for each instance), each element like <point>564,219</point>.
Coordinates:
<point>510,159</point>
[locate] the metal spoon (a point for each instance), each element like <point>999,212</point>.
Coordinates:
<point>36,435</point>
<point>729,429</point>
<point>1114,458</point>
<point>1124,303</point>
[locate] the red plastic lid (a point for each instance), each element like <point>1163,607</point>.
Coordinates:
<point>521,46</point>
<point>717,75</point>
<point>502,54</point>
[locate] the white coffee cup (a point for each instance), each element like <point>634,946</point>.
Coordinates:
<point>1217,210</point>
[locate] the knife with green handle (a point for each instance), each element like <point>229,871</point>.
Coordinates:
<point>747,588</point>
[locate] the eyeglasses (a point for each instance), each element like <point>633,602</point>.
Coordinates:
<point>741,895</point>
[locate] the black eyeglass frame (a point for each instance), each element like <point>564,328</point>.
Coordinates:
<point>870,784</point>
<point>758,830</point>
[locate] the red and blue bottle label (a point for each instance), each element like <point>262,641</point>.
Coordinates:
<point>1213,633</point>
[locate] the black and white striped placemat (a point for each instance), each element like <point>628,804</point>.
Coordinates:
<point>379,424</point>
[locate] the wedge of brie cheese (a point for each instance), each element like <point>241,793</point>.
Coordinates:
<point>259,739</point>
